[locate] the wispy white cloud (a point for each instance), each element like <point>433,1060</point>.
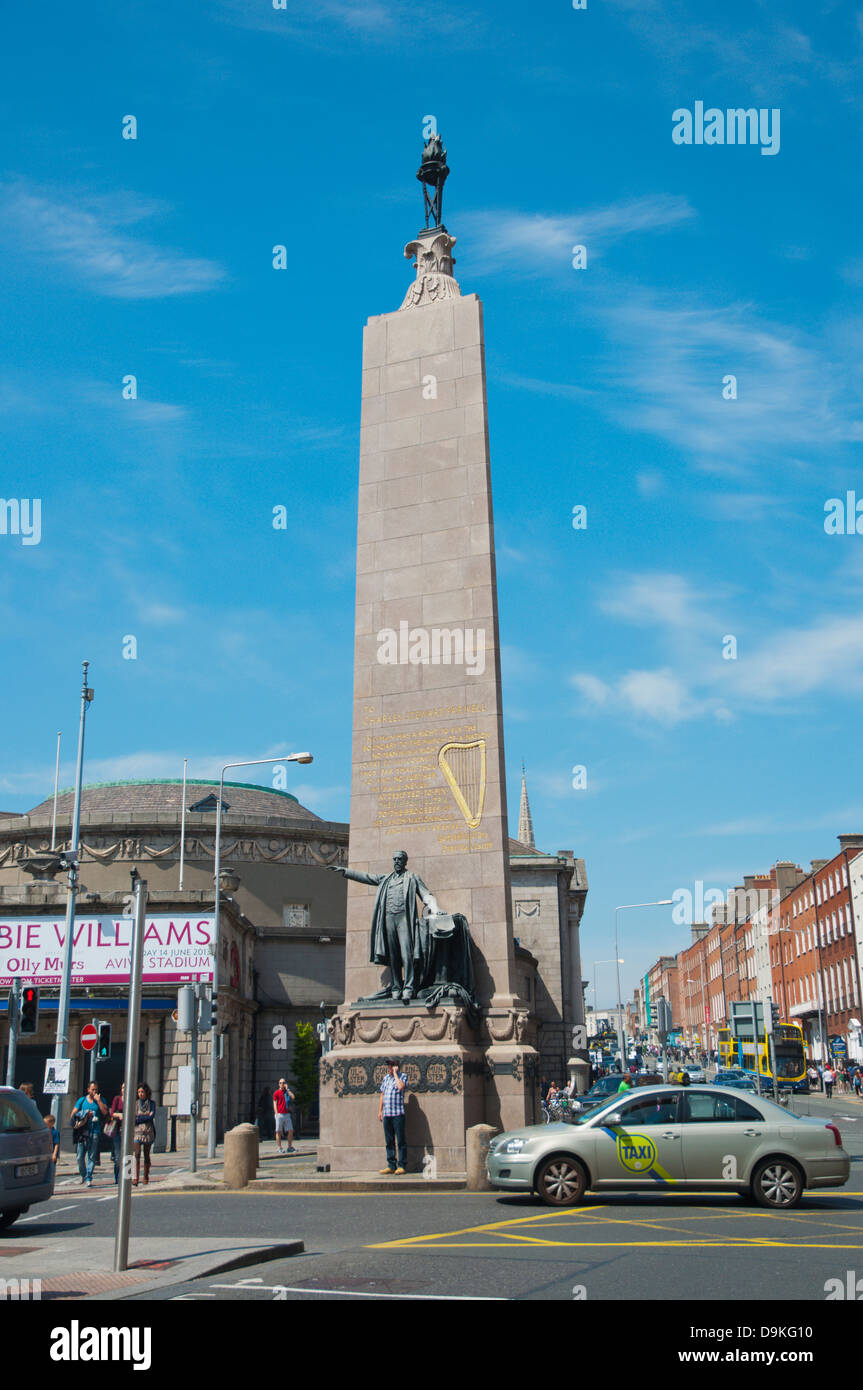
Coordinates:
<point>140,411</point>
<point>772,671</point>
<point>532,243</point>
<point>322,22</point>
<point>94,238</point>
<point>162,614</point>
<point>564,389</point>
<point>790,391</point>
<point>761,49</point>
<point>658,696</point>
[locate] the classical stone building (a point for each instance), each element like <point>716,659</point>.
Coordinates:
<point>282,929</point>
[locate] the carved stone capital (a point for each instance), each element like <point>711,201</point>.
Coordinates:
<point>433,259</point>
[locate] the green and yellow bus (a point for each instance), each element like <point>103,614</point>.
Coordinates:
<point>754,1058</point>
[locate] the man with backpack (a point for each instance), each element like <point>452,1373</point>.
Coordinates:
<point>86,1129</point>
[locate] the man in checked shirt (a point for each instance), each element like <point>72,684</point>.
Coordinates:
<point>391,1113</point>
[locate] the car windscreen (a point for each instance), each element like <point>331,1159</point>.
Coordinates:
<point>18,1115</point>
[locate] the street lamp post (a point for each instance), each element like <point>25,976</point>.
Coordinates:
<point>699,979</point>
<point>71,862</point>
<point>627,907</point>
<point>251,762</point>
<point>612,960</point>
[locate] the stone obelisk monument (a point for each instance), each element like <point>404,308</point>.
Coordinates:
<point>428,761</point>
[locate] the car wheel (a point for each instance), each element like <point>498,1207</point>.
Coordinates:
<point>561,1181</point>
<point>777,1183</point>
<point>7,1217</point>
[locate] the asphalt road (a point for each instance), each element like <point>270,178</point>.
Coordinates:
<point>467,1246</point>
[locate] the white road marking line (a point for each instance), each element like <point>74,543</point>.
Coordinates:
<point>112,1197</point>
<point>253,1286</point>
<point>53,1211</point>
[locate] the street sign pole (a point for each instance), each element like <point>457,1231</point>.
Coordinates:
<point>193,1129</point>
<point>93,1050</point>
<point>14,1025</point>
<point>133,1029</point>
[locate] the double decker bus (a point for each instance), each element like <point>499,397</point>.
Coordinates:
<point>753,1057</point>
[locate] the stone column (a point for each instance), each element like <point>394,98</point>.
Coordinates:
<point>428,762</point>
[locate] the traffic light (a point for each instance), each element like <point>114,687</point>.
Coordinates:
<point>774,1013</point>
<point>214,1006</point>
<point>205,1016</point>
<point>29,1010</point>
<point>103,1042</point>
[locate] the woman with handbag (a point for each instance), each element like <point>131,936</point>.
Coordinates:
<point>86,1128</point>
<point>145,1131</point>
<point>114,1130</point>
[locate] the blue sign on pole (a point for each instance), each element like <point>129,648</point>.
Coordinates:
<point>838,1047</point>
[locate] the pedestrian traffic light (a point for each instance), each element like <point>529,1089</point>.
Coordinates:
<point>103,1043</point>
<point>29,1010</point>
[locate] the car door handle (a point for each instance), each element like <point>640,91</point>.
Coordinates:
<point>669,1136</point>
<point>751,1132</point>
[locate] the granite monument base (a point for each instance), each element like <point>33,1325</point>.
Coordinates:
<point>457,1077</point>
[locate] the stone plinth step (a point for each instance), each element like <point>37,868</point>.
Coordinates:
<point>348,1182</point>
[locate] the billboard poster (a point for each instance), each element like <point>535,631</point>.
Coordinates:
<point>177,949</point>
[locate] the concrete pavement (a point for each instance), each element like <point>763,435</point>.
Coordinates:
<point>82,1266</point>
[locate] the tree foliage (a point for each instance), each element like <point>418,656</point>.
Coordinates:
<point>305,1065</point>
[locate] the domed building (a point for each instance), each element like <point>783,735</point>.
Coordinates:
<point>281,932</point>
<point>281,938</point>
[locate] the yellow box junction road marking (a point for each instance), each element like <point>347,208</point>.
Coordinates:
<point>500,1235</point>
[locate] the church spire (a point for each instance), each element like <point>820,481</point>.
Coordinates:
<point>525,824</point>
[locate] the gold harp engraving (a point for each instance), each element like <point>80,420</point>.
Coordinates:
<point>463,766</point>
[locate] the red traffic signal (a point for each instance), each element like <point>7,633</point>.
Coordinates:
<point>29,1010</point>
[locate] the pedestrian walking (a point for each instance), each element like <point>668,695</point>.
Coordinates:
<point>86,1128</point>
<point>391,1114</point>
<point>813,1075</point>
<point>858,1081</point>
<point>114,1129</point>
<point>829,1077</point>
<point>283,1098</point>
<point>145,1131</point>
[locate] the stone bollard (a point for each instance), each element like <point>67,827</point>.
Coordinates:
<point>241,1155</point>
<point>478,1138</point>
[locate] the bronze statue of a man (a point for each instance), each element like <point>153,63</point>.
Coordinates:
<point>396,938</point>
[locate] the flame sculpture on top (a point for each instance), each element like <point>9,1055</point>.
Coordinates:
<point>431,252</point>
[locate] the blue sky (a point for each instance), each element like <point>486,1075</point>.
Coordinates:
<point>153,257</point>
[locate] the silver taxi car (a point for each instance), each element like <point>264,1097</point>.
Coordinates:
<point>673,1138</point>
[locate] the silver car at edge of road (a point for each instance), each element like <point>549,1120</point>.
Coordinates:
<point>673,1139</point>
<point>26,1170</point>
